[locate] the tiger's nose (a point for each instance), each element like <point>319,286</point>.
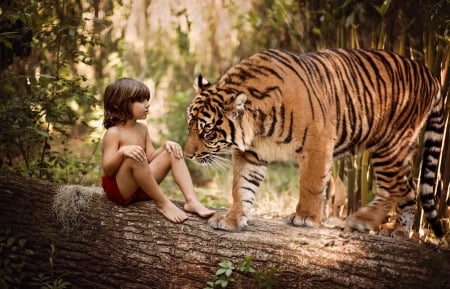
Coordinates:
<point>191,146</point>
<point>189,153</point>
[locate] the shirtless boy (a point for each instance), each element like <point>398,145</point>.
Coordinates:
<point>132,168</point>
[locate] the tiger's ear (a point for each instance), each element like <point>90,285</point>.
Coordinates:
<point>236,108</point>
<point>239,102</point>
<point>200,83</point>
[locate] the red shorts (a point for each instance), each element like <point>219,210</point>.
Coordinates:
<point>111,189</point>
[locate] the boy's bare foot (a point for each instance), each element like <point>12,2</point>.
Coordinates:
<point>172,212</point>
<point>197,208</point>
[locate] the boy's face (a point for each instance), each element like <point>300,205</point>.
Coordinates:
<point>139,109</point>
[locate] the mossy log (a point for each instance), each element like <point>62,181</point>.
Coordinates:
<point>99,244</point>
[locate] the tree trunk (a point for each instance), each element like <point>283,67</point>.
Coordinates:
<point>99,244</point>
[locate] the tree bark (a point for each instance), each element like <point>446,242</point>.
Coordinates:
<point>99,244</point>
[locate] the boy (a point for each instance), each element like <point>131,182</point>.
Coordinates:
<point>132,167</point>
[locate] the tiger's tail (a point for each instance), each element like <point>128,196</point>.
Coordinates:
<point>434,133</point>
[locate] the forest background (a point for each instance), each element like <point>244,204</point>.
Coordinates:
<point>57,56</point>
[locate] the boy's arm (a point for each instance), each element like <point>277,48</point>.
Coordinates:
<point>170,146</point>
<point>112,156</point>
<point>149,149</point>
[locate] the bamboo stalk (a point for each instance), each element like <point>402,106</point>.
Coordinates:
<point>416,176</point>
<point>445,172</point>
<point>364,178</point>
<point>351,185</point>
<point>358,159</point>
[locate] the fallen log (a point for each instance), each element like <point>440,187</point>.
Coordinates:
<point>99,244</point>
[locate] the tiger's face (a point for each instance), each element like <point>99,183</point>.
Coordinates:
<point>214,122</point>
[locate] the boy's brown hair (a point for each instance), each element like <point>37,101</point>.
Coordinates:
<point>118,97</point>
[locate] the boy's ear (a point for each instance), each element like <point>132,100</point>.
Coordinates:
<point>237,106</point>
<point>200,83</point>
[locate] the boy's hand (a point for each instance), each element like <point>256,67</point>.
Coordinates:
<point>135,152</point>
<point>173,147</point>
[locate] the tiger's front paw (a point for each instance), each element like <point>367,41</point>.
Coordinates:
<point>302,221</point>
<point>226,223</point>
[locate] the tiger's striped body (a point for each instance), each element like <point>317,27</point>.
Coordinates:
<point>315,108</point>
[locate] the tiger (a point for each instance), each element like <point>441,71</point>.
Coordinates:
<point>316,108</point>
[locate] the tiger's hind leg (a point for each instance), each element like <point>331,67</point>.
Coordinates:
<point>394,184</point>
<point>407,201</point>
<point>406,211</point>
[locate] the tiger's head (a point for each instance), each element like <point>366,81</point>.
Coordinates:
<point>216,122</point>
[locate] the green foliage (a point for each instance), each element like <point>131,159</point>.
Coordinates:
<point>265,278</point>
<point>175,120</point>
<point>224,273</point>
<point>45,282</point>
<point>11,269</point>
<point>49,281</point>
<point>12,263</point>
<point>42,96</point>
<point>246,265</point>
<point>280,18</point>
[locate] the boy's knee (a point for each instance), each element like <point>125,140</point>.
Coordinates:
<point>168,155</point>
<point>131,163</point>
<point>168,158</point>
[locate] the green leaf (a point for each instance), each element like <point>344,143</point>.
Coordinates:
<point>41,132</point>
<point>222,282</point>
<point>22,242</point>
<point>7,191</point>
<point>224,264</point>
<point>221,271</point>
<point>10,241</point>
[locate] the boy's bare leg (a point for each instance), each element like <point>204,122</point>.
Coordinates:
<point>195,206</point>
<point>133,175</point>
<point>180,172</point>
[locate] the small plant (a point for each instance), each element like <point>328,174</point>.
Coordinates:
<point>224,273</point>
<point>45,282</point>
<point>265,278</point>
<point>11,274</point>
<point>12,262</point>
<point>50,282</point>
<point>246,265</point>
